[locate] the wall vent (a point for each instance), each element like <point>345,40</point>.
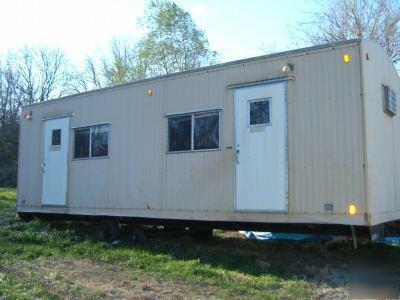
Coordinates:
<point>328,207</point>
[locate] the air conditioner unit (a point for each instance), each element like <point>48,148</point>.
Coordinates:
<point>389,101</point>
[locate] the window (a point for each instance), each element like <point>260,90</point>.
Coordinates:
<point>99,141</point>
<point>206,131</point>
<point>259,112</point>
<point>56,137</point>
<point>180,133</point>
<point>91,141</point>
<point>191,132</point>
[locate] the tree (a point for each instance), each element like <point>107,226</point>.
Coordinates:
<point>173,42</point>
<point>89,77</point>
<point>119,66</point>
<point>10,101</point>
<point>338,20</point>
<point>10,95</point>
<point>26,76</point>
<point>123,65</point>
<point>43,73</point>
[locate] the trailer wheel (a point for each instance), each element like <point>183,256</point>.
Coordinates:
<point>107,230</point>
<point>202,234</point>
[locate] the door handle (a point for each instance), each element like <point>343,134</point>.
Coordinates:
<point>43,167</point>
<point>237,154</point>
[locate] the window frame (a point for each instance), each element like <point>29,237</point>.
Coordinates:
<point>90,141</point>
<point>192,114</point>
<point>191,132</point>
<point>268,99</point>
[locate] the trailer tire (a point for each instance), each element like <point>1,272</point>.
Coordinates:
<point>108,230</point>
<point>203,234</point>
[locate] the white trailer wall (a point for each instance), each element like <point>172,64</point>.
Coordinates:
<point>325,138</point>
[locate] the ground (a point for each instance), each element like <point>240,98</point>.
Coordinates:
<point>46,261</point>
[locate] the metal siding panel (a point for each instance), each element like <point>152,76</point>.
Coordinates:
<point>325,134</point>
<point>30,159</point>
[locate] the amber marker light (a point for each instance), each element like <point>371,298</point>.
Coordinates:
<point>346,58</point>
<point>150,92</point>
<point>352,209</point>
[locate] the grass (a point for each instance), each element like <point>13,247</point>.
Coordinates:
<point>39,260</point>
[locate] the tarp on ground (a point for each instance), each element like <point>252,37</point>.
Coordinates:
<point>265,236</point>
<point>272,236</point>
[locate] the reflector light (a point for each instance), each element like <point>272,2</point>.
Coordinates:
<point>346,58</point>
<point>150,92</point>
<point>352,209</point>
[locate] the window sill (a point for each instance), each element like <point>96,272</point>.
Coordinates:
<point>193,151</point>
<point>90,158</point>
<point>259,125</point>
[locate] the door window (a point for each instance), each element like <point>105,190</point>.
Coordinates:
<point>56,137</point>
<point>260,112</point>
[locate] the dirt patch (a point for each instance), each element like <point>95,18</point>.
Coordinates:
<point>75,279</point>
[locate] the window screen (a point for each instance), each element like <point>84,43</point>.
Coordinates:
<point>56,137</point>
<point>206,131</point>
<point>82,142</point>
<point>260,112</point>
<point>99,140</point>
<point>179,133</point>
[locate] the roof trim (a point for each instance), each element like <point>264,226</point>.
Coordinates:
<point>202,69</point>
<point>70,115</point>
<point>261,82</point>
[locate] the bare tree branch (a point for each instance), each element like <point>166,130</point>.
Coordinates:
<point>338,20</point>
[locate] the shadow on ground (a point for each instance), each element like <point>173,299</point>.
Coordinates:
<point>331,263</point>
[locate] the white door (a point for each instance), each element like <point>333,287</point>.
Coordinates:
<point>55,161</point>
<point>260,137</point>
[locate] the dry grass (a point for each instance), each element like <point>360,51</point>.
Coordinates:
<point>84,278</point>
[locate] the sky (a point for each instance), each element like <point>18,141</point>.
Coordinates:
<point>235,28</point>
